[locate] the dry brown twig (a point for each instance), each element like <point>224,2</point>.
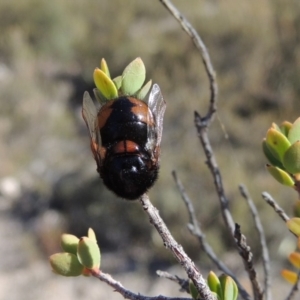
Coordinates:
<point>183,283</point>
<point>262,239</point>
<point>107,278</point>
<point>195,229</point>
<point>281,213</point>
<point>176,249</point>
<point>246,254</point>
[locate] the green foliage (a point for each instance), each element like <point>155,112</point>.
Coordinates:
<point>223,286</point>
<point>69,243</point>
<point>141,94</point>
<point>66,264</point>
<point>88,253</point>
<point>193,291</point>
<point>280,175</point>
<point>293,225</point>
<point>133,77</point>
<point>291,159</point>
<point>105,85</point>
<point>80,257</point>
<point>282,148</point>
<point>129,83</point>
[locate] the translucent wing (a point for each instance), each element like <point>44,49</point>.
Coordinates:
<point>157,105</point>
<point>89,114</point>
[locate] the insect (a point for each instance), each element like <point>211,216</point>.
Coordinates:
<point>125,141</point>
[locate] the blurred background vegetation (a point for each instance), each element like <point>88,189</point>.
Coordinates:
<point>48,179</point>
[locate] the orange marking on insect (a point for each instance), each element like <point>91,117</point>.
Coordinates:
<point>142,111</point>
<point>104,114</point>
<point>126,147</point>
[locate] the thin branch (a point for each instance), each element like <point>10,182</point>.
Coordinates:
<point>246,254</point>
<point>177,250</point>
<point>188,28</point>
<point>203,123</point>
<point>107,278</point>
<point>294,289</point>
<point>201,126</point>
<point>262,239</point>
<point>268,198</point>
<point>183,283</point>
<point>195,229</point>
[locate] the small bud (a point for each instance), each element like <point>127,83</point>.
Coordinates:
<point>297,209</point>
<point>285,127</point>
<point>88,253</point>
<point>281,176</point>
<point>229,287</point>
<point>104,67</point>
<point>271,155</point>
<point>275,126</point>
<point>293,225</point>
<point>141,94</point>
<point>66,264</point>
<point>118,82</point>
<point>69,243</point>
<point>105,84</point>
<point>291,159</point>
<point>92,235</point>
<point>277,142</point>
<point>294,132</point>
<point>214,283</point>
<point>193,291</point>
<point>133,77</point>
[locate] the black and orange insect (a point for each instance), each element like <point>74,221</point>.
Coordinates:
<point>125,140</point>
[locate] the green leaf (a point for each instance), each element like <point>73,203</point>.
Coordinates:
<point>193,291</point>
<point>66,264</point>
<point>133,77</point>
<point>118,82</point>
<point>105,84</point>
<point>69,243</point>
<point>277,142</point>
<point>293,225</point>
<point>291,159</point>
<point>271,155</point>
<point>296,209</point>
<point>92,235</point>
<point>281,176</point>
<point>104,67</point>
<point>285,127</point>
<point>294,133</point>
<point>275,126</point>
<point>229,287</point>
<point>88,253</point>
<point>141,94</point>
<point>214,284</point>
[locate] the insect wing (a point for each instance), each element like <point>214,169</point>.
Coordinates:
<point>89,114</point>
<point>157,105</point>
